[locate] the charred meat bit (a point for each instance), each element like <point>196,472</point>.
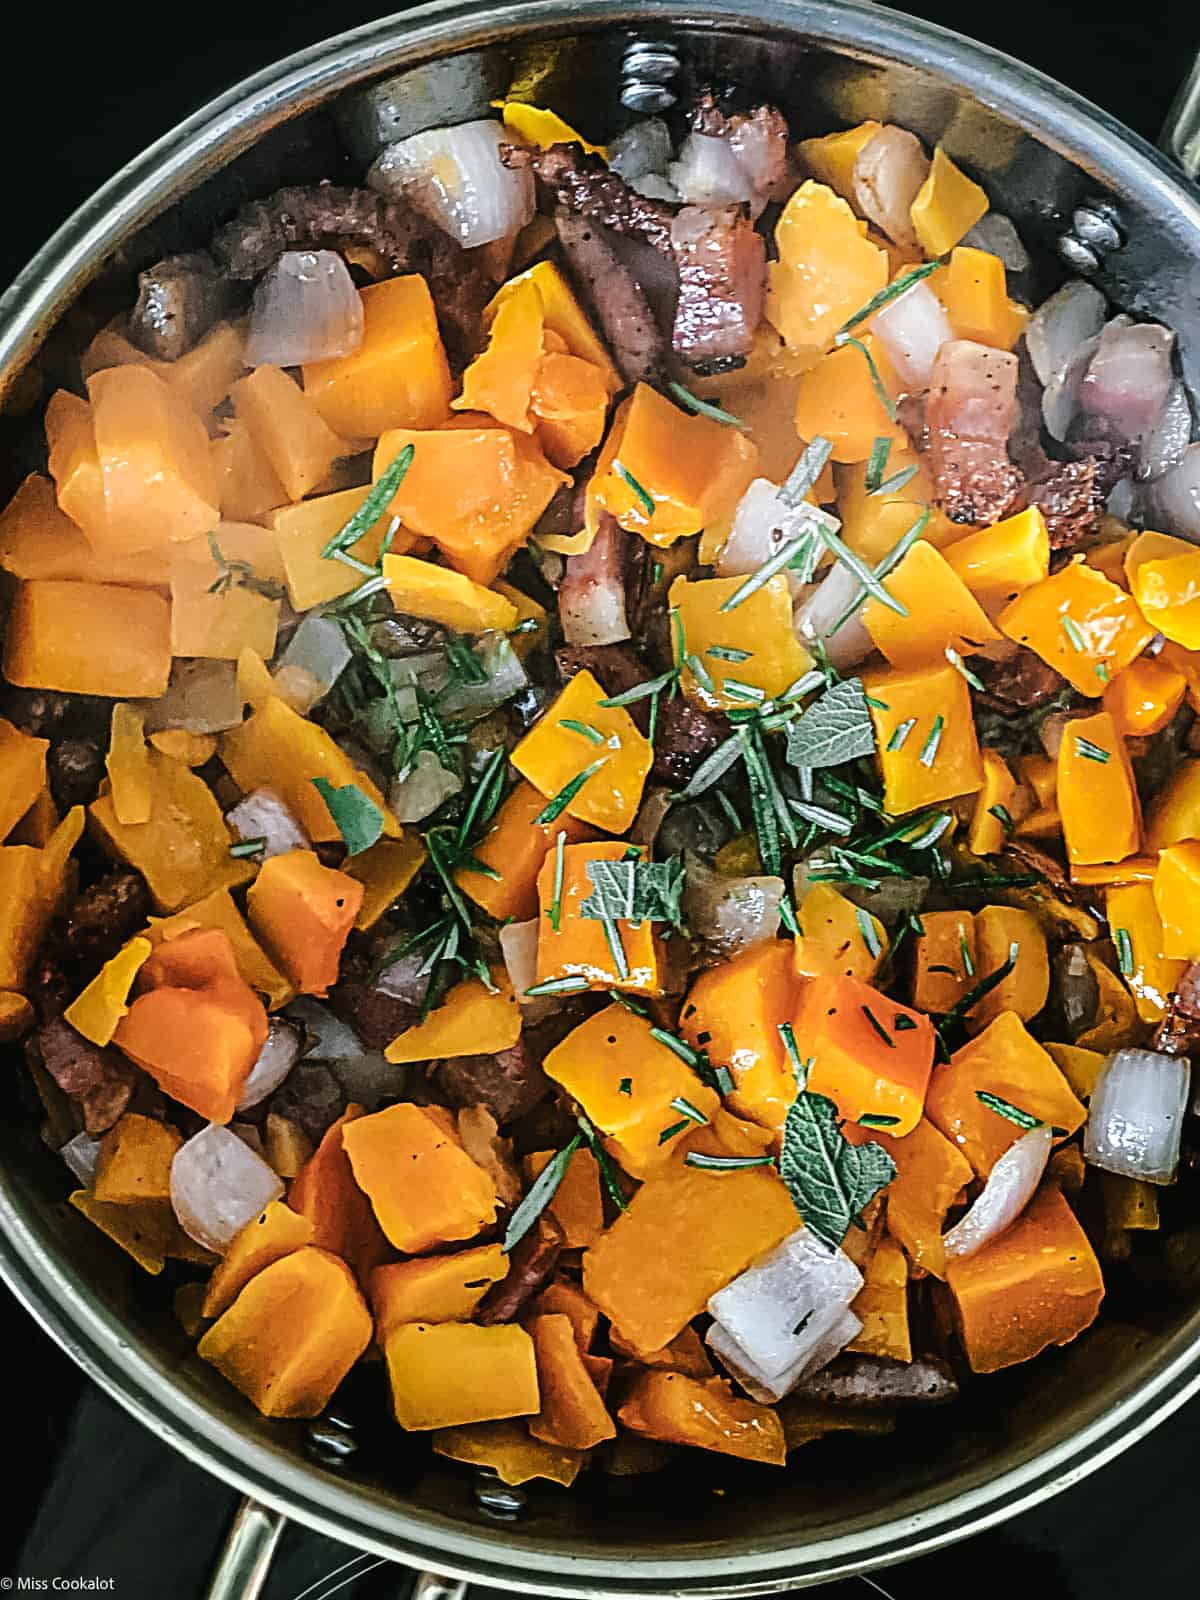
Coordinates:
<point>508,1084</point>
<point>1178,1034</point>
<point>583,185</point>
<point>1022,857</point>
<point>614,296</point>
<point>42,712</point>
<point>1017,682</point>
<point>530,1265</point>
<point>591,597</point>
<point>1070,497</point>
<point>103,917</point>
<point>722,264</point>
<point>970,411</point>
<point>375,1015</point>
<point>101,1081</point>
<point>311,1097</point>
<point>74,768</point>
<point>758,138</point>
<point>178,301</point>
<point>854,1380</point>
<point>684,738</point>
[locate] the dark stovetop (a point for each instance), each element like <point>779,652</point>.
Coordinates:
<point>88,1493</point>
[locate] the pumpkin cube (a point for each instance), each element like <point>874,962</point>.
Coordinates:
<point>385,871</point>
<point>613,954</point>
<point>998,931</point>
<point>838,398</point>
<point>421,589</point>
<point>515,847</point>
<point>1174,813</point>
<point>508,1450</point>
<point>973,288</point>
<point>217,910</point>
<point>931,1174</point>
<point>1145,697</point>
<point>89,638</point>
<point>871,1056</point>
<point>96,1012</point>
<point>1163,574</point>
<point>826,271</point>
<point>134,1161</point>
<point>831,159</point>
<point>303,912</point>
<point>561,315</point>
<point>944,966</point>
<point>948,204</point>
<point>500,379</point>
<point>435,1289</point>
<point>707,1414</point>
<point>925,731</point>
<point>759,626</point>
<point>881,1305</point>
<point>303,532</point>
<point>1097,795</point>
<point>22,774</point>
<point>577,1205</point>
<point>572,1412</point>
<point>942,613</point>
<point>38,540</point>
<point>1081,624</point>
<point>837,938</point>
<point>999,563</point>
<point>1175,895</point>
<point>288,429</point>
<point>324,1191</point>
<point>1137,929</point>
<point>999,805</point>
<point>273,1234</point>
<point>423,1186</point>
<point>472,1019</point>
<point>444,1374</point>
<point>553,756</point>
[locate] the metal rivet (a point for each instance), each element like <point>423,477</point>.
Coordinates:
<point>1097,229</point>
<point>1081,257</point>
<point>331,1440</point>
<point>498,1500</point>
<point>648,68</point>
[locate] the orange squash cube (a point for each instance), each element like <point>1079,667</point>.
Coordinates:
<point>1037,1284</point>
<point>943,614</point>
<point>944,967</point>
<point>761,624</point>
<point>1025,989</point>
<point>275,1233</point>
<point>931,1174</point>
<point>89,638</point>
<point>826,270</point>
<point>572,945</point>
<point>303,532</point>
<point>397,378</point>
<point>925,731</point>
<point>515,847</point>
<point>287,428</point>
<point>1081,624</point>
<point>508,1450</point>
<point>569,402</point>
<point>552,755</point>
<point>973,288</point>
<point>473,1019</point>
<point>444,1374</point>
<point>75,466</point>
<point>500,379</point>
<point>999,563</point>
<point>709,1415</point>
<point>870,1055</point>
<point>881,1305</point>
<point>324,1191</point>
<point>217,910</point>
<point>134,1161</point>
<point>564,1298</point>
<point>1143,699</point>
<point>562,315</point>
<point>303,912</point>
<point>572,1412</point>
<point>423,1186</point>
<point>838,398</point>
<point>434,1289</point>
<point>22,774</point>
<point>577,1205</point>
<point>836,938</point>
<point>38,540</point>
<point>1097,796</point>
<point>247,484</point>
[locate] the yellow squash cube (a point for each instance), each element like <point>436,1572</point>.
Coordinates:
<point>421,589</point>
<point>1097,796</point>
<point>999,563</point>
<point>941,612</point>
<point>837,938</point>
<point>1177,896</point>
<point>760,627</point>
<point>555,756</point>
<point>1079,622</point>
<point>947,205</point>
<point>925,731</point>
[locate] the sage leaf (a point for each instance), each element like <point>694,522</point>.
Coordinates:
<point>355,815</point>
<point>830,1180</point>
<point>634,891</point>
<point>834,729</point>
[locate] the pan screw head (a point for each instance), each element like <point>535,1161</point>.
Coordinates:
<point>647,71</point>
<point>498,1500</point>
<point>1095,230</point>
<point>331,1440</point>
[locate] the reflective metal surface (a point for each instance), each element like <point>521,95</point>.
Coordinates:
<point>1018,1436</point>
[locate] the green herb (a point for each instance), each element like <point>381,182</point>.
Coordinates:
<point>695,1158</point>
<point>355,815</point>
<point>897,481</point>
<point>725,652</point>
<point>685,1108</point>
<point>1101,671</point>
<point>730,810</point>
<point>877,704</point>
<point>968,965</point>
<point>834,729</point>
<point>554,808</point>
<point>592,735</point>
<point>903,1024</point>
<point>616,949</point>
<point>931,835</point>
<point>635,891</point>
<point>763,575</point>
<point>702,408</point>
<point>608,1172</point>
<point>640,691</point>
<point>961,667</point>
<point>1002,815</point>
<point>673,1130</point>
<point>885,297</point>
<point>877,383</point>
<point>799,1068</point>
<point>464,663</point>
<point>1124,946</point>
<point>929,749</point>
<point>877,1119</point>
<point>866,926</point>
<point>762,806</point>
<point>555,911</point>
<point>971,999</point>
<point>1090,751</point>
<point>248,847</point>
<point>625,1086</point>
<point>373,507</point>
<point>571,985</point>
<point>240,574</point>
<point>867,576</point>
<point>677,1045</point>
<point>628,478</point>
<point>544,1189</point>
<point>743,691</point>
<point>701,673</point>
<point>629,1004</point>
<point>1005,1108</point>
<point>901,732</point>
<point>877,463</point>
<point>656,572</point>
<point>830,1180</point>
<point>823,817</point>
<point>712,768</point>
<point>1071,628</point>
<point>808,469</point>
<point>879,1027</point>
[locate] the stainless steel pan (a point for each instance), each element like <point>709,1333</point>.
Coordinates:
<point>1082,188</point>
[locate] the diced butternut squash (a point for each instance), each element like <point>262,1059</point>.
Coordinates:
<point>445,1374</point>
<point>685,1353</point>
<point>941,612</point>
<point>836,938</point>
<point>690,471</point>
<point>324,1191</point>
<point>733,1011</point>
<point>515,847</point>
<point>569,402</point>
<point>563,315</point>
<point>761,625</point>
<point>303,532</point>
<point>435,1289</point>
<point>89,638</point>
<point>128,766</point>
<point>1145,697</point>
<point>925,731</point>
<point>944,966</point>
<point>421,589</point>
<point>931,1174</point>
<point>708,1415</point>
<point>500,379</point>
<point>612,954</point>
<point>159,482</point>
<point>96,1012</point>
<point>881,1305</point>
<point>832,157</point>
<point>1164,574</point>
<point>874,522</point>
<point>948,205</point>
<point>303,912</point>
<point>38,823</point>
<point>221,607</point>
<point>75,466</point>
<point>1097,795</point>
<point>292,1334</point>
<point>999,563</point>
<point>276,748</point>
<point>572,1412</point>
<point>472,1019</point>
<point>423,1187</point>
<point>625,1080</point>
<point>577,1206</point>
<point>147,1233</point>
<point>838,398</point>
<point>1079,1066</point>
<point>247,483</point>
<point>1176,886</point>
<point>973,288</point>
<point>475,491</point>
<point>397,378</point>
<point>554,757</point>
<point>826,271</point>
<point>508,1450</point>
<point>997,807</point>
<point>1004,1061</point>
<point>22,774</point>
<point>288,429</point>
<point>385,871</point>
<point>700,1229</point>
<point>1081,624</point>
<point>273,1234</point>
<point>562,1297</point>
<point>1137,931</point>
<point>1174,813</point>
<point>134,1161</point>
<point>871,1056</point>
<point>1024,990</point>
<point>16,1016</point>
<point>217,910</point>
<point>32,885</point>
<point>1037,1284</point>
<point>38,540</point>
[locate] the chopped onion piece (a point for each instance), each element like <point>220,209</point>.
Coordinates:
<point>455,177</point>
<point>262,814</point>
<point>504,679</point>
<point>1070,317</point>
<point>888,172</point>
<point>218,1185</point>
<point>305,308</point>
<point>656,188</point>
<point>202,697</point>
<point>275,1060</point>
<point>427,785</point>
<point>1177,496</point>
<point>708,173</point>
<point>318,648</point>
<point>1060,399</point>
<point>1129,378</point>
<point>644,147</point>
<point>728,915</point>
<point>1011,1185</point>
<point>518,945</point>
<point>768,1390</point>
<point>761,524</point>
<point>912,329</point>
<point>81,1154</point>
<point>1135,1117</point>
<point>1122,499</point>
<point>779,1310</point>
<point>332,1038</point>
<point>1165,446</point>
<point>406,978</point>
<point>819,614</point>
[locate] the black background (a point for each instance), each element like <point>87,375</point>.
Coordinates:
<point>85,1490</point>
